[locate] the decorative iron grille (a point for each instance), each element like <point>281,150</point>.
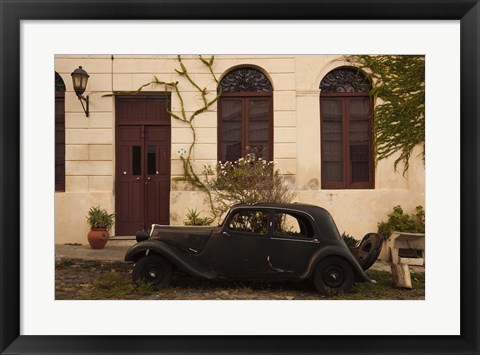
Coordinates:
<point>345,80</point>
<point>245,80</point>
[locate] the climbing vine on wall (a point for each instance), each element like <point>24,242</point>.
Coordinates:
<point>399,96</point>
<point>206,100</point>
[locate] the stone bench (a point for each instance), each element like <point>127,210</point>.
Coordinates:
<point>411,245</point>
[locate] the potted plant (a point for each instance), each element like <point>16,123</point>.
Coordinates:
<point>100,222</point>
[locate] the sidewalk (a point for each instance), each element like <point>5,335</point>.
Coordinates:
<point>114,251</point>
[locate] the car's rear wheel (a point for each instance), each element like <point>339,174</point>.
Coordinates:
<point>154,270</point>
<point>332,275</point>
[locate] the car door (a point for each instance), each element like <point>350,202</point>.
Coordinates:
<point>293,241</point>
<point>241,249</point>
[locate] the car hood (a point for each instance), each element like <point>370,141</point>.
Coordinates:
<point>192,238</point>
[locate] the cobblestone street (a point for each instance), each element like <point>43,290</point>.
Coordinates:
<point>77,279</point>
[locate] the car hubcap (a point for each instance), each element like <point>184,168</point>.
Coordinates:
<point>333,277</point>
<point>153,275</point>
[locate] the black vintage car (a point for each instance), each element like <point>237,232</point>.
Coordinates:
<point>260,241</point>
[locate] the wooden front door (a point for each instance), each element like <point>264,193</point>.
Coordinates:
<point>142,188</point>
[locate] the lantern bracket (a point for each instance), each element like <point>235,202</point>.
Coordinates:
<point>86,106</point>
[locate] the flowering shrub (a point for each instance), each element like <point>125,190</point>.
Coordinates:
<point>246,181</point>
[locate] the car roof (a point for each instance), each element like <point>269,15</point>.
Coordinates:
<point>322,217</point>
<point>302,207</point>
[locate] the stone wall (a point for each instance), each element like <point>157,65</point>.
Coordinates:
<point>90,160</point>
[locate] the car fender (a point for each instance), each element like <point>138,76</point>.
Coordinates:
<point>333,250</point>
<point>173,255</point>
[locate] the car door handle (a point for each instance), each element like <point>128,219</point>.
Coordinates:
<point>226,234</point>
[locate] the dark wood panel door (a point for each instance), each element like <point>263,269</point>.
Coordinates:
<point>157,184</point>
<point>129,191</point>
<point>142,184</point>
<point>143,178</point>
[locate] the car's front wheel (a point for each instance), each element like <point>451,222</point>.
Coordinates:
<point>332,275</point>
<point>154,270</point>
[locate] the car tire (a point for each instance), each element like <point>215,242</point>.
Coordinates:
<point>154,270</point>
<point>372,245</point>
<point>333,275</point>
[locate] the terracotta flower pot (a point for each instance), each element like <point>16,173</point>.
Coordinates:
<point>97,238</point>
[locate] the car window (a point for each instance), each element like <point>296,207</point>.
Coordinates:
<point>249,221</point>
<point>293,225</point>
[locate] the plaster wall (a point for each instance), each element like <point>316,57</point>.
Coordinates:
<point>90,158</point>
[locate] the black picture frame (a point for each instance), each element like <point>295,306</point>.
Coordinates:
<point>13,12</point>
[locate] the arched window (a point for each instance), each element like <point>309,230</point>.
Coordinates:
<point>346,130</point>
<point>59,133</point>
<point>245,115</point>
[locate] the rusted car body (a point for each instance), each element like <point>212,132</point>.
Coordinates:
<point>260,241</point>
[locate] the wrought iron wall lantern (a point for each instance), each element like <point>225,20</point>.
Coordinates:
<point>80,79</point>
